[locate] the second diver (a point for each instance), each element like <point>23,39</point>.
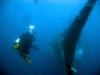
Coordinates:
<point>24,43</point>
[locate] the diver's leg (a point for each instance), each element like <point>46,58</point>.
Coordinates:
<point>71,37</point>
<point>25,57</point>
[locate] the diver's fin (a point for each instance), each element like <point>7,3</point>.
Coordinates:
<point>74,70</point>
<point>71,71</point>
<point>28,60</point>
<point>24,56</point>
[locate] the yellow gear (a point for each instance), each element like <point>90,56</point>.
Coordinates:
<point>16,45</point>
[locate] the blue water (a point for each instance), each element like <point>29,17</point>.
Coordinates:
<point>50,18</point>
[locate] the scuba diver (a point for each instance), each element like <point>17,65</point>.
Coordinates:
<point>23,44</point>
<point>70,37</point>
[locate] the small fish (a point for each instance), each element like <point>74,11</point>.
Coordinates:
<point>35,1</point>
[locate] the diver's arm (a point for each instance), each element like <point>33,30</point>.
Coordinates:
<point>71,37</point>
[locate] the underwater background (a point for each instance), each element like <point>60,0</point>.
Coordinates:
<point>50,18</point>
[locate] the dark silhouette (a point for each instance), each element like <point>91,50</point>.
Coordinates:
<point>71,37</point>
<point>24,43</point>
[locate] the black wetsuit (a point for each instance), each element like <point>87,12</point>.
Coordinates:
<point>71,37</point>
<point>26,41</point>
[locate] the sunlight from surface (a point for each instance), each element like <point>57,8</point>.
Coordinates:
<point>32,27</point>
